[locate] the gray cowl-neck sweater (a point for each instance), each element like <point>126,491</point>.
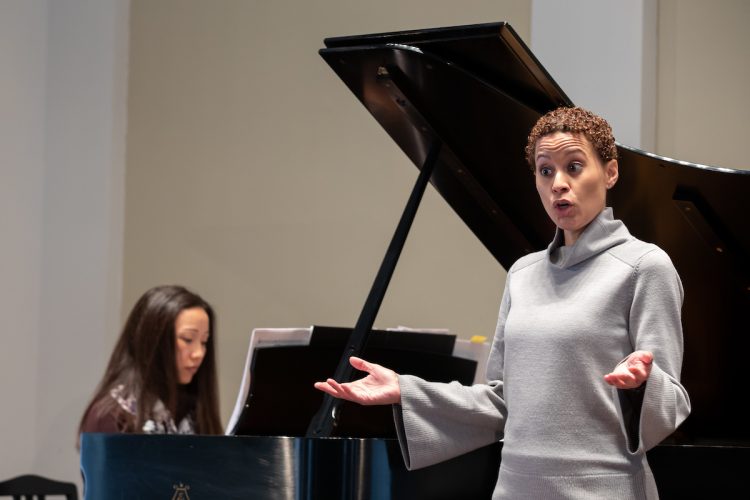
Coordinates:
<point>568,316</point>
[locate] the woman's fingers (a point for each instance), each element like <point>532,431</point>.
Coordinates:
<point>335,385</point>
<point>632,372</point>
<point>337,390</point>
<point>620,379</point>
<point>362,365</point>
<point>645,357</point>
<point>325,387</point>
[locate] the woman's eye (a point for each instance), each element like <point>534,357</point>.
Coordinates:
<point>545,171</point>
<point>187,340</point>
<point>575,167</point>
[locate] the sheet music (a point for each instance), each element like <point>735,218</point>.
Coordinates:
<point>401,328</point>
<point>264,337</point>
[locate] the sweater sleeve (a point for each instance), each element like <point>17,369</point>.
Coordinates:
<point>438,421</point>
<point>655,326</point>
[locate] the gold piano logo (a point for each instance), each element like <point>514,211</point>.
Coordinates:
<point>181,492</point>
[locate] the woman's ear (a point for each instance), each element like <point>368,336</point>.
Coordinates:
<point>612,172</point>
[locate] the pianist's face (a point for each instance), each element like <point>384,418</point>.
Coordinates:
<point>191,337</point>
<point>571,181</point>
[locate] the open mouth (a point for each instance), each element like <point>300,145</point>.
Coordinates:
<point>562,204</point>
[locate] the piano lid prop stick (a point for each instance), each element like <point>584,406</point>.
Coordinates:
<point>326,419</point>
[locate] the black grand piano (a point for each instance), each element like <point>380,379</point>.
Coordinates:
<point>459,102</point>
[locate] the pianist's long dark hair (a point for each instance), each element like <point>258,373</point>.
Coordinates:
<point>144,362</point>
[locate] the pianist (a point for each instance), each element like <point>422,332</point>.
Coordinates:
<point>585,364</point>
<point>161,377</point>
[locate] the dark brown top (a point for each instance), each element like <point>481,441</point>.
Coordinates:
<point>97,420</point>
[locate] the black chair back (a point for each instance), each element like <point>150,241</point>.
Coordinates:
<point>33,487</point>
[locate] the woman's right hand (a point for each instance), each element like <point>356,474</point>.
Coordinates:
<point>379,387</point>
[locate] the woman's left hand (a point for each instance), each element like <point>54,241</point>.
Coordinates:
<point>632,372</point>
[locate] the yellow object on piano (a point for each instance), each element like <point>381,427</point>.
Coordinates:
<point>478,339</point>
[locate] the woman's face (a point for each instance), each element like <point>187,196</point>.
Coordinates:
<point>191,337</point>
<point>571,181</point>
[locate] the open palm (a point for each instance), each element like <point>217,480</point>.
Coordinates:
<point>379,387</point>
<point>632,372</point>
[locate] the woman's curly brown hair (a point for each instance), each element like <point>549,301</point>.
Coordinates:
<point>577,121</point>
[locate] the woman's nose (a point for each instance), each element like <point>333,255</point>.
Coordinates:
<point>560,183</point>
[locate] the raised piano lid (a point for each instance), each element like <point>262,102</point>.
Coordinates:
<point>478,90</point>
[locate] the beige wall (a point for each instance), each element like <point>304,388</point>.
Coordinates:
<point>703,110</point>
<point>62,164</point>
<point>255,177</point>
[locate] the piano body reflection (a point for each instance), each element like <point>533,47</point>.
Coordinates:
<point>459,102</point>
